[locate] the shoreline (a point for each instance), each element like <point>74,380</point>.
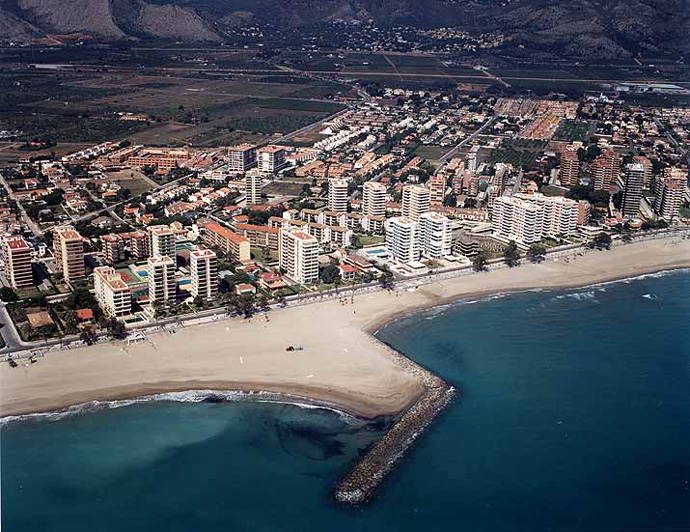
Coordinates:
<point>351,390</point>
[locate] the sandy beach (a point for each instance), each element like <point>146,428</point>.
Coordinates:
<point>341,365</point>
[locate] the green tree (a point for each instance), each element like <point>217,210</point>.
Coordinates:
<point>601,241</point>
<point>511,255</point>
<point>480,261</point>
<point>8,295</point>
<point>536,253</point>
<point>243,304</point>
<point>116,328</point>
<point>88,335</point>
<point>387,280</point>
<point>329,274</point>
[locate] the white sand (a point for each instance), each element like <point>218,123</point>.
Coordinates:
<point>341,364</point>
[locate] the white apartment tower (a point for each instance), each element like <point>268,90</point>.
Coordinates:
<point>337,195</point>
<point>270,159</point>
<point>161,274</point>
<point>68,247</point>
<point>204,268</point>
<point>632,193</point>
<point>516,219</point>
<point>112,293</point>
<point>299,255</point>
<point>16,255</point>
<point>435,235</point>
<point>402,239</point>
<point>161,241</point>
<point>416,200</point>
<point>668,195</point>
<point>374,199</point>
<point>560,215</point>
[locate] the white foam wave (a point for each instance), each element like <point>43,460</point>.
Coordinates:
<point>189,396</point>
<point>590,295</point>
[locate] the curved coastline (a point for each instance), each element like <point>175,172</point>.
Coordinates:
<point>353,372</point>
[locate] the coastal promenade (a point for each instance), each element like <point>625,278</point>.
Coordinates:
<point>341,365</point>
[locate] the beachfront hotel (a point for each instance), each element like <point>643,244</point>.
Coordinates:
<point>402,239</point>
<point>241,158</point>
<point>204,268</point>
<point>299,255</point>
<point>435,235</point>
<point>161,274</point>
<point>161,241</point>
<point>112,293</point>
<point>237,246</point>
<point>416,200</point>
<point>516,219</point>
<point>337,195</point>
<point>374,199</point>
<point>16,256</point>
<point>68,247</point>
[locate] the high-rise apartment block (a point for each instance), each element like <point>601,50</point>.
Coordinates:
<point>252,187</point>
<point>270,159</point>
<point>374,199</point>
<point>668,195</point>
<point>569,171</point>
<point>437,190</point>
<point>161,276</point>
<point>204,269</point>
<point>161,241</point>
<point>241,158</point>
<point>435,235</point>
<point>632,193</point>
<point>518,220</point>
<point>402,239</point>
<point>560,215</point>
<point>16,255</point>
<point>337,195</point>
<point>605,170</point>
<point>112,293</point>
<point>416,200</point>
<point>299,255</point>
<point>68,247</point>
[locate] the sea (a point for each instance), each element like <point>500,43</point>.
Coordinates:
<point>574,416</point>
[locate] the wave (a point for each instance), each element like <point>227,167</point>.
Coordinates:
<point>628,280</point>
<point>590,295</point>
<point>189,396</point>
<point>651,297</point>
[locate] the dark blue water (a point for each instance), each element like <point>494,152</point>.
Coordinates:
<point>575,416</point>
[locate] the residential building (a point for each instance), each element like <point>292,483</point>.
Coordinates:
<point>16,256</point>
<point>559,215</point>
<point>648,168</point>
<point>112,293</point>
<point>204,269</point>
<point>252,187</point>
<point>569,171</point>
<point>518,220</point>
<point>437,189</point>
<point>161,277</point>
<point>161,241</point>
<point>435,235</point>
<point>113,247</point>
<point>416,200</point>
<point>668,197</point>
<point>270,159</point>
<point>299,256</point>
<point>605,170</point>
<point>337,195</point>
<point>402,239</point>
<point>241,158</point>
<point>236,246</point>
<point>632,193</point>
<point>68,247</point>
<point>261,236</point>
<point>583,212</point>
<point>374,199</point>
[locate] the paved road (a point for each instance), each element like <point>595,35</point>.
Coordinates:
<point>32,225</point>
<point>450,154</point>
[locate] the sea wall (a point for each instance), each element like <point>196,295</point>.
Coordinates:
<point>365,477</point>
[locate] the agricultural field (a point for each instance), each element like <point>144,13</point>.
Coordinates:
<point>573,131</point>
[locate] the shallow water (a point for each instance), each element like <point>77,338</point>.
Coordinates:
<point>575,415</point>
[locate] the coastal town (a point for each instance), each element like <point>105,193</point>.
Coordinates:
<point>111,239</point>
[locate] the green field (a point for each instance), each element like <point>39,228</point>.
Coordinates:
<point>573,131</point>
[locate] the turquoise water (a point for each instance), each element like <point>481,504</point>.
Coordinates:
<point>575,415</point>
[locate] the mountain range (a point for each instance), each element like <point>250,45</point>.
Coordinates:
<point>575,28</point>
